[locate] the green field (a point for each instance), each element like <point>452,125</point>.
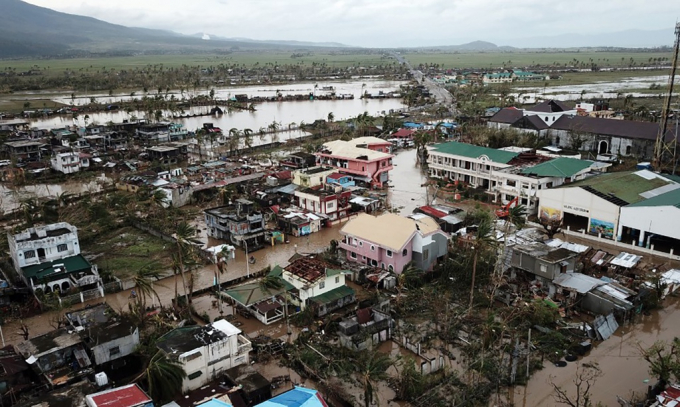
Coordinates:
<point>248,59</point>
<point>494,60</point>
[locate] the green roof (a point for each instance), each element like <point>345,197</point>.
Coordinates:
<point>252,293</point>
<point>73,264</point>
<point>333,295</point>
<point>332,272</point>
<point>472,151</point>
<point>625,185</point>
<point>558,167</point>
<point>671,198</point>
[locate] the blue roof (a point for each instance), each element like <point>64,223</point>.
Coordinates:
<point>297,397</point>
<point>411,125</point>
<point>215,403</point>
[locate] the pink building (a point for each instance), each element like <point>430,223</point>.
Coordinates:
<point>369,166</point>
<point>372,143</point>
<point>391,241</point>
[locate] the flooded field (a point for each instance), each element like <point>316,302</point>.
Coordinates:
<point>284,113</point>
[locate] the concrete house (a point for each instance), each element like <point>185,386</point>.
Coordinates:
<point>48,258</point>
<point>390,241</point>
<point>372,143</point>
<point>368,328</point>
<point>22,151</point>
<point>70,162</point>
<point>369,166</point>
<point>205,352</point>
<point>334,204</point>
<point>312,176</point>
<point>240,223</point>
<point>106,335</point>
<point>317,284</point>
<point>542,261</point>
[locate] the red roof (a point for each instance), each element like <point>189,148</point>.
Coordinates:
<point>336,175</point>
<point>669,395</point>
<point>428,210</point>
<point>126,396</point>
<point>403,133</point>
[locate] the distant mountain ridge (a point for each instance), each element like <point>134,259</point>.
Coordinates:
<point>291,43</point>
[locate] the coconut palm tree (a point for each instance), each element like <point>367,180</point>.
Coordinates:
<point>373,369</point>
<point>262,132</point>
<point>143,279</point>
<point>184,252</point>
<point>248,137</point>
<point>484,239</point>
<point>331,117</point>
<point>164,377</point>
<point>410,277</point>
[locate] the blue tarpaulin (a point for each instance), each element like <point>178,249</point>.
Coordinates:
<point>298,397</point>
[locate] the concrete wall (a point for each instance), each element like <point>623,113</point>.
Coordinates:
<point>364,254</point>
<point>577,201</point>
<point>659,220</point>
<point>127,346</point>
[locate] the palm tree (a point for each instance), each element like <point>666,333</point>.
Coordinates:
<point>248,137</point>
<point>185,252</point>
<point>331,117</point>
<point>143,280</point>
<point>164,377</point>
<point>220,268</point>
<point>484,239</point>
<point>372,370</point>
<point>409,278</point>
<point>262,133</point>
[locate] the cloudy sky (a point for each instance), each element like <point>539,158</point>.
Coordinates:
<point>383,23</point>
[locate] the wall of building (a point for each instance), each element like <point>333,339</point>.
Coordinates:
<point>364,254</point>
<point>323,286</point>
<point>426,249</point>
<point>213,361</point>
<point>126,346</point>
<point>659,220</point>
<point>577,201</point>
<point>68,243</point>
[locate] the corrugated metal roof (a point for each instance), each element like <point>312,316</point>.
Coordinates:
<point>558,167</point>
<point>472,151</point>
<point>578,282</point>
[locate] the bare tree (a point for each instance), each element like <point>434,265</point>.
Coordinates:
<point>551,226</point>
<point>584,379</point>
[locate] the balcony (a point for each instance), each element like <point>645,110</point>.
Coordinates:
<point>244,345</point>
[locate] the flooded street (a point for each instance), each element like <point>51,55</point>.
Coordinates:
<point>624,370</point>
<point>406,183</point>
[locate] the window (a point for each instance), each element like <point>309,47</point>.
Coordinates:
<point>510,183</point>
<point>192,356</point>
<point>352,255</point>
<point>337,279</point>
<point>29,254</point>
<point>372,248</point>
<point>115,351</point>
<point>194,375</point>
<point>374,262</point>
<point>404,252</point>
<point>390,267</point>
<point>62,248</point>
<point>544,268</point>
<point>361,243</point>
<point>389,253</point>
<point>546,118</point>
<point>383,266</point>
<point>322,285</point>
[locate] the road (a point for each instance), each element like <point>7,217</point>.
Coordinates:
<point>443,96</point>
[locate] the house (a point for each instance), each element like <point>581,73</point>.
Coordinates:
<point>48,258</point>
<point>106,335</point>
<point>253,388</point>
<point>125,396</point>
<point>366,329</point>
<point>500,77</point>
<point>73,395</point>
<point>450,219</point>
<point>168,154</point>
<point>297,223</point>
<point>16,376</point>
<point>116,140</point>
<point>299,159</point>
<point>543,262</point>
<point>59,357</point>
<point>364,204</point>
<point>311,177</point>
<point>70,162</point>
<point>205,352</point>
<point>266,305</point>
<point>156,133</point>
<point>297,397</point>
<point>334,204</point>
<point>240,223</point>
<point>317,284</point>
<point>390,241</point>
<point>655,221</point>
<point>372,143</point>
<point>368,166</point>
<point>22,151</point>
<point>342,180</point>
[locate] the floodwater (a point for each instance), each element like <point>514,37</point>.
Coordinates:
<point>284,113</point>
<point>10,198</point>
<point>406,190</point>
<point>618,357</point>
<point>605,90</point>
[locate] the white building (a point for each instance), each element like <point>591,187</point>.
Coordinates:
<point>48,258</point>
<point>654,222</point>
<point>70,162</point>
<point>311,177</point>
<point>595,205</point>
<point>317,284</point>
<point>504,174</point>
<point>205,352</point>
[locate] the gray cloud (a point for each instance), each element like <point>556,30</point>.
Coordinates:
<point>380,23</point>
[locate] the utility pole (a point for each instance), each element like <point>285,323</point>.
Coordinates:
<point>665,151</point>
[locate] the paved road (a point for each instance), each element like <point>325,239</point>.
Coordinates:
<point>442,95</point>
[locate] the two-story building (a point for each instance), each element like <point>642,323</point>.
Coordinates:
<point>107,336</point>
<point>156,133</point>
<point>390,241</point>
<point>317,284</point>
<point>22,151</point>
<point>205,352</point>
<point>170,154</point>
<point>372,143</point>
<point>299,159</point>
<point>48,258</point>
<point>312,176</point>
<point>332,202</point>
<point>368,166</point>
<point>240,223</point>
<point>542,262</point>
<point>70,162</point>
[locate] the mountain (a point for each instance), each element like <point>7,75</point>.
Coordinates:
<point>29,30</point>
<point>619,39</point>
<point>276,42</point>
<point>469,47</point>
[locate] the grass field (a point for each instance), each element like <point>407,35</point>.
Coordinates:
<point>244,58</point>
<point>518,59</point>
